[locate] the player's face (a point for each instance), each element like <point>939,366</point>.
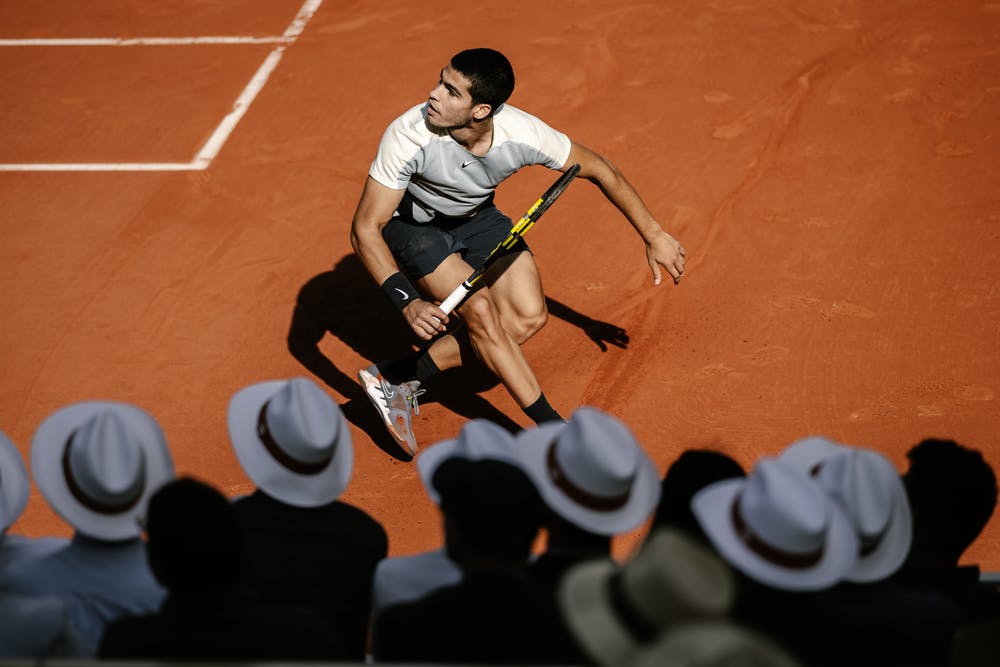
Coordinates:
<point>449,104</point>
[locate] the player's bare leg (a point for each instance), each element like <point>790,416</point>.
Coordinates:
<point>516,287</point>
<point>498,318</point>
<point>493,344</point>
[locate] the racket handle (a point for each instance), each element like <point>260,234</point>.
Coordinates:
<point>455,297</point>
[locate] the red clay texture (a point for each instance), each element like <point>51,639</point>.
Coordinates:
<point>832,169</point>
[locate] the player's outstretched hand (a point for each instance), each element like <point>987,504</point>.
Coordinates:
<point>664,252</point>
<point>426,319</point>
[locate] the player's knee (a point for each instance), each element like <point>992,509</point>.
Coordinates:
<point>480,317</point>
<point>527,325</point>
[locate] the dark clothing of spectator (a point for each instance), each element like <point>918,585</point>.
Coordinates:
<point>871,625</point>
<point>194,548</point>
<point>490,617</point>
<point>887,624</point>
<point>320,557</point>
<point>976,601</point>
<point>548,569</point>
<point>567,545</point>
<point>221,625</point>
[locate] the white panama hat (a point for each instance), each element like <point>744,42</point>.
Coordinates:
<point>97,463</point>
<point>14,483</point>
<point>591,471</point>
<point>292,441</point>
<point>778,527</point>
<point>870,491</point>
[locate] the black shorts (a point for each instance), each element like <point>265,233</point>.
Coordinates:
<point>419,248</point>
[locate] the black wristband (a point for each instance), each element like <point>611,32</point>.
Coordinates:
<point>399,290</point>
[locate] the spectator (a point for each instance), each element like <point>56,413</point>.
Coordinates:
<point>303,545</point>
<point>785,539</point>
<point>195,549</point>
<point>615,611</point>
<point>97,463</point>
<point>952,490</point>
<point>30,627</point>
<point>14,491</point>
<point>879,622</point>
<point>492,514</point>
<point>408,578</point>
<point>778,527</point>
<point>692,471</point>
<point>596,482</point>
<point>866,486</point>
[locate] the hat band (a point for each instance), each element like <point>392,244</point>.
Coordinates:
<point>88,501</point>
<point>582,496</point>
<point>640,629</point>
<point>283,457</point>
<point>780,557</point>
<point>869,544</point>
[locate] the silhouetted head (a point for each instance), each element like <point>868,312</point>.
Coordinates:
<point>952,491</point>
<point>693,470</point>
<point>194,542</point>
<point>492,511</point>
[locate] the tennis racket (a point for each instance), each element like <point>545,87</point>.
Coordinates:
<point>517,231</point>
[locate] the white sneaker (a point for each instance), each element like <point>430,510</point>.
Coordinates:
<point>396,404</point>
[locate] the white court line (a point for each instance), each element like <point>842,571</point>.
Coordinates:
<point>215,142</point>
<point>141,41</point>
<point>100,166</point>
<point>211,148</point>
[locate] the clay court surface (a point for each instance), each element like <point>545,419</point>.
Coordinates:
<point>833,169</point>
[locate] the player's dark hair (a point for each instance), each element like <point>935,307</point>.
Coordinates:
<point>489,73</point>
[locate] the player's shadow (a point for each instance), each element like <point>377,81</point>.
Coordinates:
<point>347,304</point>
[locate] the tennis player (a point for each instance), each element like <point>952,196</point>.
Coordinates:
<point>426,219</point>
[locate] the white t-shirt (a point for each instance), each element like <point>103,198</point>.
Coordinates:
<point>441,176</point>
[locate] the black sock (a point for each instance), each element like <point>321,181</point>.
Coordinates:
<point>416,366</point>
<point>540,411</point>
<point>402,370</point>
<point>426,368</point>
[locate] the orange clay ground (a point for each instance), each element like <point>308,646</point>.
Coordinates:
<point>833,169</point>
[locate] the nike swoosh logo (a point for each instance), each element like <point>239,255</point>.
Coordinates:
<point>388,391</point>
<point>467,163</point>
<point>402,293</point>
